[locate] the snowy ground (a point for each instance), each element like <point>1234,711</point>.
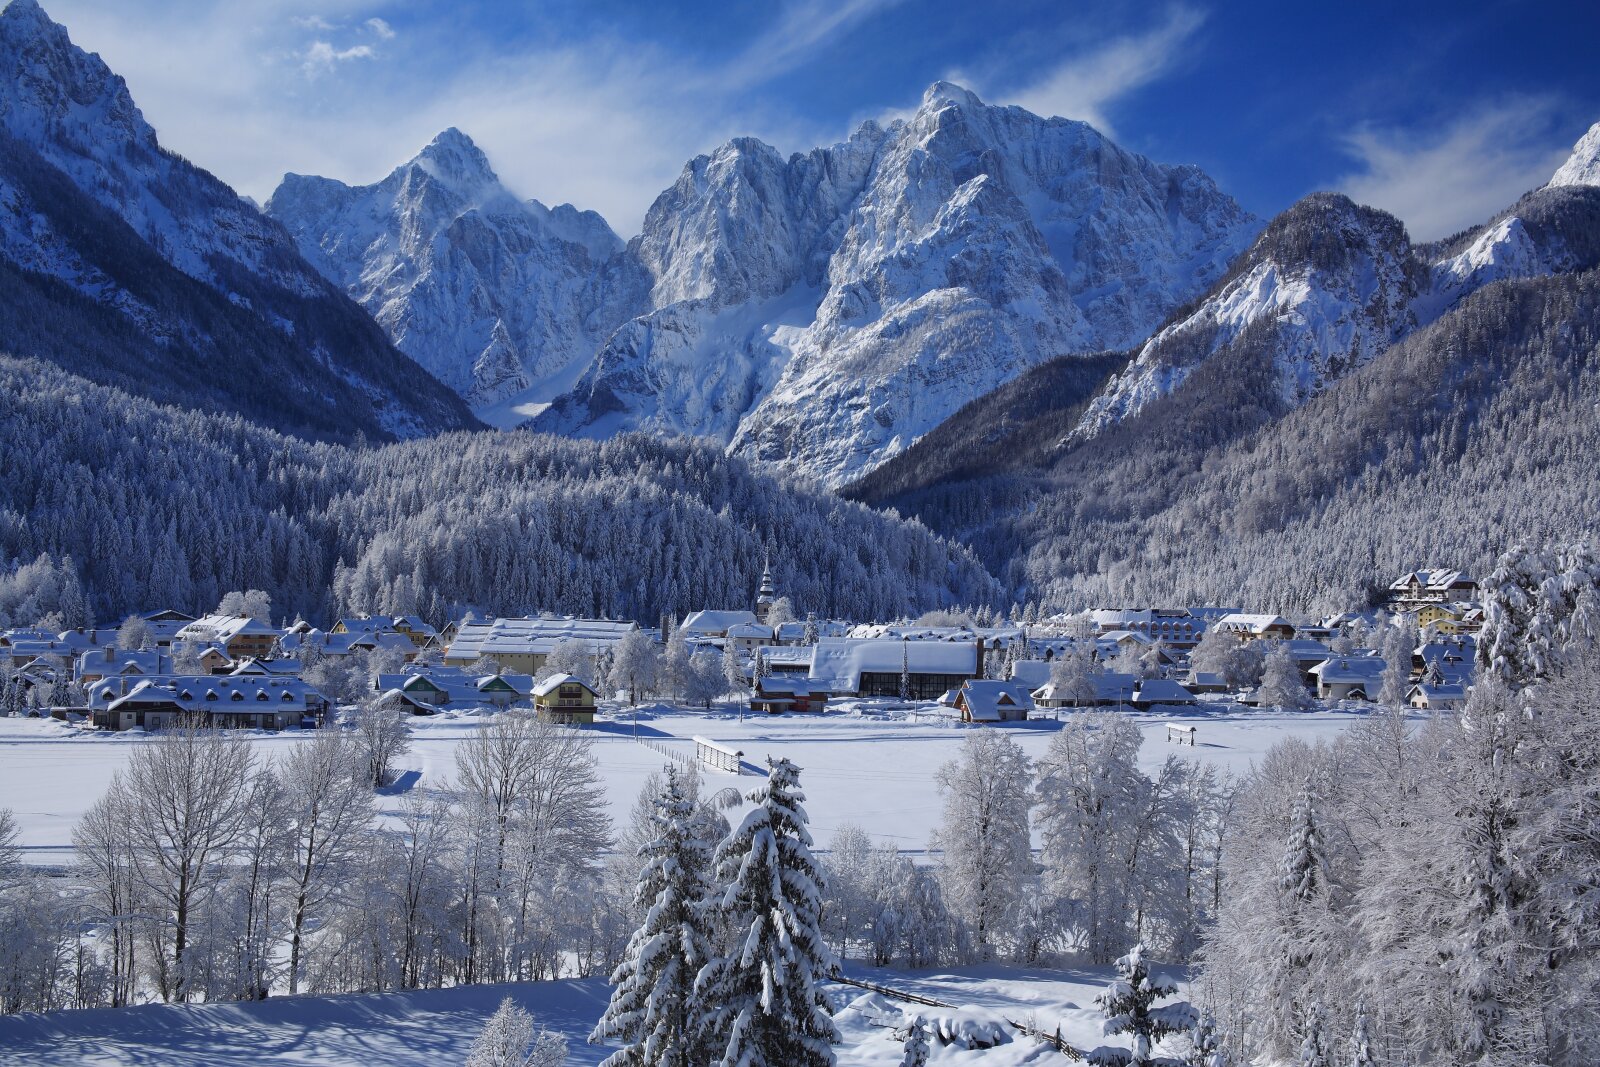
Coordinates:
<point>877,772</point>
<point>426,1029</point>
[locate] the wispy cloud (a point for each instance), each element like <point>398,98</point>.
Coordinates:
<point>804,27</point>
<point>321,56</point>
<point>378,26</point>
<point>1438,181</point>
<point>1085,85</point>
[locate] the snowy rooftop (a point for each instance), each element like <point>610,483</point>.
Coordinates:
<point>715,622</point>
<point>838,663</point>
<point>533,636</point>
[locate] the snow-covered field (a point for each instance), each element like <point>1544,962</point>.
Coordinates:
<point>430,1028</point>
<point>875,772</point>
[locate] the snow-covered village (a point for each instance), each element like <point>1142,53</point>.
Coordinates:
<point>829,533</point>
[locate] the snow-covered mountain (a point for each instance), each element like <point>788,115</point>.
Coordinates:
<point>495,296</point>
<point>1583,166</point>
<point>164,279</point>
<point>820,313</point>
<point>1329,285</point>
<point>1325,288</point>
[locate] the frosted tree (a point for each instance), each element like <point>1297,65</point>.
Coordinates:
<point>327,801</point>
<point>1516,639</point>
<point>812,634</point>
<point>916,1046</point>
<point>905,671</point>
<point>653,1009</point>
<point>1302,872</point>
<point>1073,674</point>
<point>1281,687</point>
<point>733,670</point>
<point>1129,1004</point>
<point>984,834</point>
<point>675,665</point>
<point>761,1003</point>
<point>255,604</point>
<point>1399,649</point>
<point>134,634</point>
<point>186,809</point>
<point>704,679</point>
<point>569,656</point>
<point>1361,1040</point>
<point>508,1040</point>
<point>780,613</point>
<point>635,665</point>
<point>382,736</point>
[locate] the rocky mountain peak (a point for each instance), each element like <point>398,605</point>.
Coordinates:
<point>453,158</point>
<point>1583,166</point>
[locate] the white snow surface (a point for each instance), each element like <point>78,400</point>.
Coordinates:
<point>870,765</point>
<point>426,1028</point>
<point>1583,166</point>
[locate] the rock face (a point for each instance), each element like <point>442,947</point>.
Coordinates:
<point>1335,284</point>
<point>206,296</point>
<point>1583,166</point>
<point>820,313</point>
<point>496,297</point>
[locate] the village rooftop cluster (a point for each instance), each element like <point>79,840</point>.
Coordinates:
<point>233,669</point>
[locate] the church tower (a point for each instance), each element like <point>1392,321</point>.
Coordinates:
<point>767,593</point>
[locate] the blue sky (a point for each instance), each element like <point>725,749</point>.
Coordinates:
<point>1441,113</point>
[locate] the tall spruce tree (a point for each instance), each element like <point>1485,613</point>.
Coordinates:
<point>762,1007</point>
<point>652,1001</point>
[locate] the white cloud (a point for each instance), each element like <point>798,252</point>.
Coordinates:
<point>378,26</point>
<point>604,124</point>
<point>321,55</point>
<point>1441,181</point>
<point>1086,84</point>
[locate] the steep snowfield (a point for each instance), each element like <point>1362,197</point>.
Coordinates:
<point>1583,166</point>
<point>1332,282</point>
<point>496,297</point>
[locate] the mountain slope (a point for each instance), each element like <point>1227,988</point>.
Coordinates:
<point>494,296</point>
<point>1219,477</point>
<point>822,312</point>
<point>126,263</point>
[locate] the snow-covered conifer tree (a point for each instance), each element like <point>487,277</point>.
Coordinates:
<point>916,1046</point>
<point>760,1002</point>
<point>1129,1003</point>
<point>652,1007</point>
<point>1313,1050</point>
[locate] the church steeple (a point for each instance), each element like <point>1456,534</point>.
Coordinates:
<point>768,591</point>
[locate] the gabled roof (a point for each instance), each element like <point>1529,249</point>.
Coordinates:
<point>1350,670</point>
<point>984,698</point>
<point>556,681</point>
<point>534,636</point>
<point>714,622</point>
<point>225,628</point>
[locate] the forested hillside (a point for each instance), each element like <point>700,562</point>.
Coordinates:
<point>1215,493</point>
<point>139,505</point>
